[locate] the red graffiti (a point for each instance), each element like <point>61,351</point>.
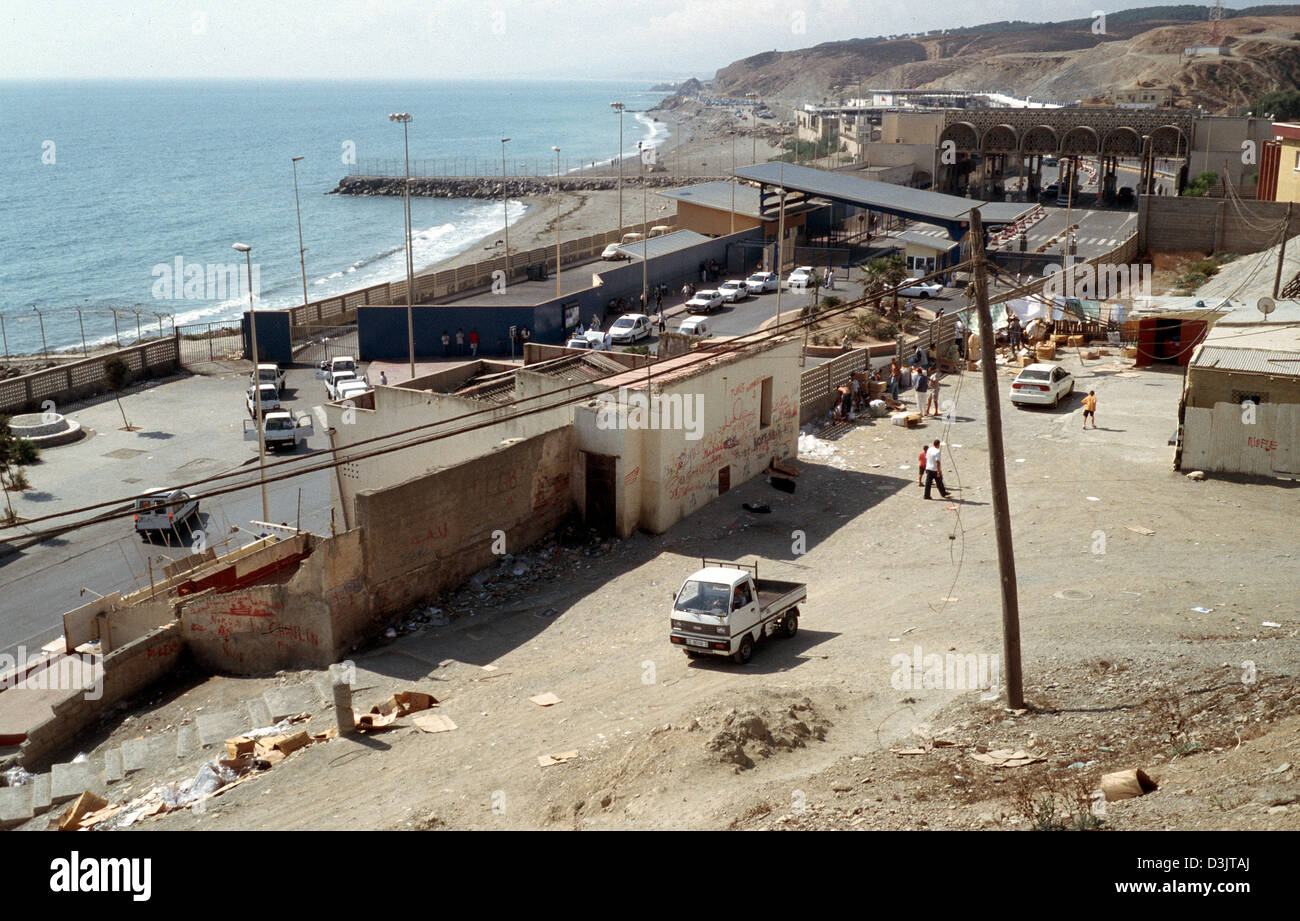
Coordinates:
<point>1266,443</point>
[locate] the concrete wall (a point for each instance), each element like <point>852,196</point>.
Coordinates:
<point>1207,387</point>
<point>1209,225</point>
<point>714,223</point>
<point>78,379</point>
<point>911,128</point>
<point>427,535</point>
<point>665,475</point>
<point>1219,441</point>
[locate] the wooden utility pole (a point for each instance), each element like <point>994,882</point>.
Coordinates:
<point>997,473</point>
<point>1281,252</point>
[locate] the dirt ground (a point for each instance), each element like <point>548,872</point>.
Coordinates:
<point>1172,651</point>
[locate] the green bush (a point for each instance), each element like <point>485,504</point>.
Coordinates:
<point>25,452</point>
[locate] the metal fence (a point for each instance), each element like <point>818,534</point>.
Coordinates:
<point>665,162</point>
<point>200,342</point>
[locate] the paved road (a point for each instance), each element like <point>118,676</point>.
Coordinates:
<point>190,428</point>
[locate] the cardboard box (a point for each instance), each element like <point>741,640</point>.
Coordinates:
<point>1131,353</point>
<point>1060,339</point>
<point>1075,341</point>
<point>1046,352</point>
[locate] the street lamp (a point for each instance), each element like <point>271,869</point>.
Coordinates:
<point>302,259</point>
<point>257,383</point>
<point>557,220</point>
<point>733,180</point>
<point>405,119</point>
<point>505,205</point>
<point>618,107</point>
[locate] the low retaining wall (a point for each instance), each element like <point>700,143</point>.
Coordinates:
<point>80,379</point>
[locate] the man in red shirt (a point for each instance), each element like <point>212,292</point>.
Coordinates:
<point>473,341</point>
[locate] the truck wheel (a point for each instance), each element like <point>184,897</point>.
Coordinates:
<point>741,656</point>
<point>791,625</point>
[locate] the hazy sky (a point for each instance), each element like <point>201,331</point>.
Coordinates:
<point>403,39</point>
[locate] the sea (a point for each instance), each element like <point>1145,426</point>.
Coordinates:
<point>110,191</point>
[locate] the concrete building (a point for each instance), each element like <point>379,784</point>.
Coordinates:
<point>923,246</point>
<point>653,453</point>
<point>707,209</point>
<point>1279,166</point>
<point>1142,96</point>
<point>1240,409</point>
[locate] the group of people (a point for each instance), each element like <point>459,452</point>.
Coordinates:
<point>460,342</point>
<point>853,395</point>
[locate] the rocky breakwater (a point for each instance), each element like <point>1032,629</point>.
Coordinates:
<point>516,187</point>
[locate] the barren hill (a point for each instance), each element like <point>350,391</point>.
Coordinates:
<point>1056,61</point>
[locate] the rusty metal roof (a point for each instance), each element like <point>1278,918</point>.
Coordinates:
<point>1247,361</point>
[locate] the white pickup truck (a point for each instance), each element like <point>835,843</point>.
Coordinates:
<point>271,373</point>
<point>724,609</point>
<point>282,429</point>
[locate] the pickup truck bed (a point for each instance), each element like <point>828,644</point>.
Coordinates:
<point>779,594</point>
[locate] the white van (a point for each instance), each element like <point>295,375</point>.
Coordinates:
<point>696,327</point>
<point>164,511</point>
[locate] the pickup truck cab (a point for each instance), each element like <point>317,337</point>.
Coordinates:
<point>724,609</point>
<point>350,390</point>
<point>270,399</point>
<point>165,510</point>
<point>281,429</point>
<point>271,373</point>
<point>336,379</point>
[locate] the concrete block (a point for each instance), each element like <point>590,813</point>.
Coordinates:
<point>259,714</point>
<point>140,753</point>
<point>68,781</point>
<point>187,740</point>
<point>15,805</point>
<point>40,793</point>
<point>215,728</point>
<point>114,769</point>
<point>291,700</point>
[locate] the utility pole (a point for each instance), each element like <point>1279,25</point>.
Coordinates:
<point>1281,252</point>
<point>998,473</point>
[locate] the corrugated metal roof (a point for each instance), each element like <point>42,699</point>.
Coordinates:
<point>870,193</point>
<point>661,246</point>
<point>717,195</point>
<point>938,244</point>
<point>1248,361</point>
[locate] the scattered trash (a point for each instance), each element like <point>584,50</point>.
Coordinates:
<point>1200,610</point>
<point>17,776</point>
<point>86,811</point>
<point>545,700</point>
<point>1005,758</point>
<point>757,508</point>
<point>1137,529</point>
<point>1126,784</point>
<point>433,722</point>
<point>488,668</point>
<point>1093,499</point>
<point>1020,460</point>
<point>548,760</point>
<point>1269,623</point>
<point>397,706</point>
<point>908,751</point>
<point>1196,475</point>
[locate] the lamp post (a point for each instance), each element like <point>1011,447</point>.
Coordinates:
<point>405,119</point>
<point>257,383</point>
<point>45,351</point>
<point>645,250</point>
<point>780,237</point>
<point>733,180</point>
<point>618,107</point>
<point>302,258</point>
<point>505,204</point>
<point>557,219</point>
<point>81,323</point>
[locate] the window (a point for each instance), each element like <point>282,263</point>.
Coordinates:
<point>741,597</point>
<point>1242,396</point>
<point>765,404</point>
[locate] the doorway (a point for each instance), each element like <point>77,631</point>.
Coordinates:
<point>600,493</point>
<point>724,479</point>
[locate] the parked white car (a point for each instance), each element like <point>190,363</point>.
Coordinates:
<point>630,328</point>
<point>762,282</point>
<point>696,327</point>
<point>270,399</point>
<point>592,339</point>
<point>733,291</point>
<point>1042,384</point>
<point>165,510</point>
<point>611,252</point>
<point>921,289</point>
<point>705,301</point>
<point>280,429</point>
<point>800,277</point>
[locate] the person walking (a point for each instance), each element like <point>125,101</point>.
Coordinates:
<point>934,470</point>
<point>895,378</point>
<point>920,466</point>
<point>460,341</point>
<point>446,344</point>
<point>1090,409</point>
<point>933,398</point>
<point>659,299</point>
<point>383,378</point>
<point>663,325</point>
<point>473,341</point>
<point>922,389</point>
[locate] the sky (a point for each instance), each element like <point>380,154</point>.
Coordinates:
<point>450,39</point>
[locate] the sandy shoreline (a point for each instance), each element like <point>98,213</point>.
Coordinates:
<point>696,148</point>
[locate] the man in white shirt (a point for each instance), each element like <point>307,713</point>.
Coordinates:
<point>934,470</point>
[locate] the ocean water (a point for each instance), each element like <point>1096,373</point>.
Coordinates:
<point>103,183</point>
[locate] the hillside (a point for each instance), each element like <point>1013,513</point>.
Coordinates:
<point>1057,61</point>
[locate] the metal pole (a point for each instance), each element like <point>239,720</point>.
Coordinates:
<point>302,258</point>
<point>780,237</point>
<point>138,335</point>
<point>45,351</point>
<point>733,180</point>
<point>505,205</point>
<point>557,218</point>
<point>117,336</point>
<point>405,119</point>
<point>257,385</point>
<point>645,250</point>
<point>618,107</point>
<point>82,324</point>
<point>4,335</point>
<point>998,473</point>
